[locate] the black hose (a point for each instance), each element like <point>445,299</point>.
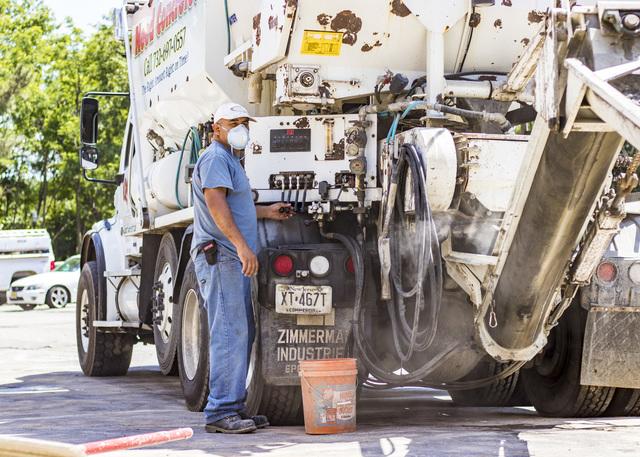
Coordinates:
<point>429,269</point>
<point>380,378</point>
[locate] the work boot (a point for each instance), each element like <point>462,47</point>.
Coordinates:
<point>231,424</point>
<point>260,420</point>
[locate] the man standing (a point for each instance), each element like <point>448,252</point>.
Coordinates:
<point>225,237</point>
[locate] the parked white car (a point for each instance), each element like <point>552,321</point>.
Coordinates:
<point>56,288</point>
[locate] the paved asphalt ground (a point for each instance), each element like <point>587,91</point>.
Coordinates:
<point>44,395</point>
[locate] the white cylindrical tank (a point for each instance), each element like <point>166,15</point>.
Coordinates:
<point>163,176</point>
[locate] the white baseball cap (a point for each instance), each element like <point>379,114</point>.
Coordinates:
<point>231,111</point>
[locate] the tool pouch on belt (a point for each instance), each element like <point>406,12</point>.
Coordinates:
<point>210,250</point>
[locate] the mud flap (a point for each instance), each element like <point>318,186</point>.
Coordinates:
<point>285,341</point>
<point>611,353</point>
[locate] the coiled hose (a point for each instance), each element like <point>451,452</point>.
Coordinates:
<point>408,338</point>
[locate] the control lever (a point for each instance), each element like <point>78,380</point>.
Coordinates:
<point>295,206</point>
<point>290,189</point>
<point>304,193</point>
<point>282,195</point>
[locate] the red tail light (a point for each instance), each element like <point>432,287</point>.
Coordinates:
<point>607,272</point>
<point>283,265</point>
<point>349,266</point>
<point>52,265</point>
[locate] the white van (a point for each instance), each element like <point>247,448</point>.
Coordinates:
<point>23,253</point>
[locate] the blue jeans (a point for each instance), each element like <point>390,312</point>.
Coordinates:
<point>227,295</point>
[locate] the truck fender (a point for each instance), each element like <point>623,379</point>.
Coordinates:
<point>92,249</point>
<point>183,259</point>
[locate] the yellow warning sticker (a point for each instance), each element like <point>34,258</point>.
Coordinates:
<point>321,43</point>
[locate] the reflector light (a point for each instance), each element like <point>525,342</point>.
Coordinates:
<point>350,266</point>
<point>319,265</point>
<point>634,273</point>
<point>607,272</point>
<point>52,265</point>
<point>283,265</point>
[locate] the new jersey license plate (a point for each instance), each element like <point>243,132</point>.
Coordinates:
<point>291,299</point>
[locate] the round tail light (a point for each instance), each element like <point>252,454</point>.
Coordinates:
<point>349,266</point>
<point>319,266</point>
<point>634,273</point>
<point>607,272</point>
<point>283,265</point>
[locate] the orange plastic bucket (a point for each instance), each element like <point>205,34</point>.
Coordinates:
<point>329,395</point>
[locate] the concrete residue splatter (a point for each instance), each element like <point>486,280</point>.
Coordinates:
<point>273,22</point>
<point>256,27</point>
<point>498,23</point>
<point>399,8</point>
<point>506,3</point>
<point>536,17</point>
<point>349,24</point>
<point>337,152</point>
<point>368,47</point>
<point>323,19</point>
<point>474,19</point>
<point>525,42</point>
<point>302,123</point>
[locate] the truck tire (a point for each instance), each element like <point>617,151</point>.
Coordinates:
<point>165,335</point>
<point>625,402</point>
<point>553,383</point>
<point>193,347</point>
<point>499,393</point>
<point>281,404</point>
<point>100,354</point>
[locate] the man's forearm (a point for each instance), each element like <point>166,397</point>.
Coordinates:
<point>262,211</point>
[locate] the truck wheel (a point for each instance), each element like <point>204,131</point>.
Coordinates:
<point>58,297</point>
<point>100,354</point>
<point>193,349</point>
<point>553,383</point>
<point>165,335</point>
<point>281,404</point>
<point>498,393</point>
<point>27,306</point>
<point>625,402</point>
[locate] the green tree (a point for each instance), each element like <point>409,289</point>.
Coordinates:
<point>45,68</point>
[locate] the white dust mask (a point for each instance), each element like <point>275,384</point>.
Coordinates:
<point>238,137</point>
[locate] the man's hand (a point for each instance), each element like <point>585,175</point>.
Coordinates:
<point>277,211</point>
<point>248,259</point>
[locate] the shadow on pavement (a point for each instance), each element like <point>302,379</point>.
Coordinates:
<point>72,408</point>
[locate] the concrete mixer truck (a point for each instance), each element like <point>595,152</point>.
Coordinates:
<point>450,166</point>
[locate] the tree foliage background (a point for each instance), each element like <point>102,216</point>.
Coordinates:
<point>45,68</point>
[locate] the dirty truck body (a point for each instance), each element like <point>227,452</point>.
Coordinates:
<point>451,171</point>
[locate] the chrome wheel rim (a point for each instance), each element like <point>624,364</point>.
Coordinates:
<point>166,324</point>
<point>190,334</point>
<point>252,363</point>
<point>84,320</point>
<point>59,297</point>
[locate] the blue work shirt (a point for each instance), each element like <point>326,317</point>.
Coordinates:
<point>217,167</point>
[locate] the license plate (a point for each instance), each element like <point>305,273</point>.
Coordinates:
<point>14,295</point>
<point>303,299</point>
